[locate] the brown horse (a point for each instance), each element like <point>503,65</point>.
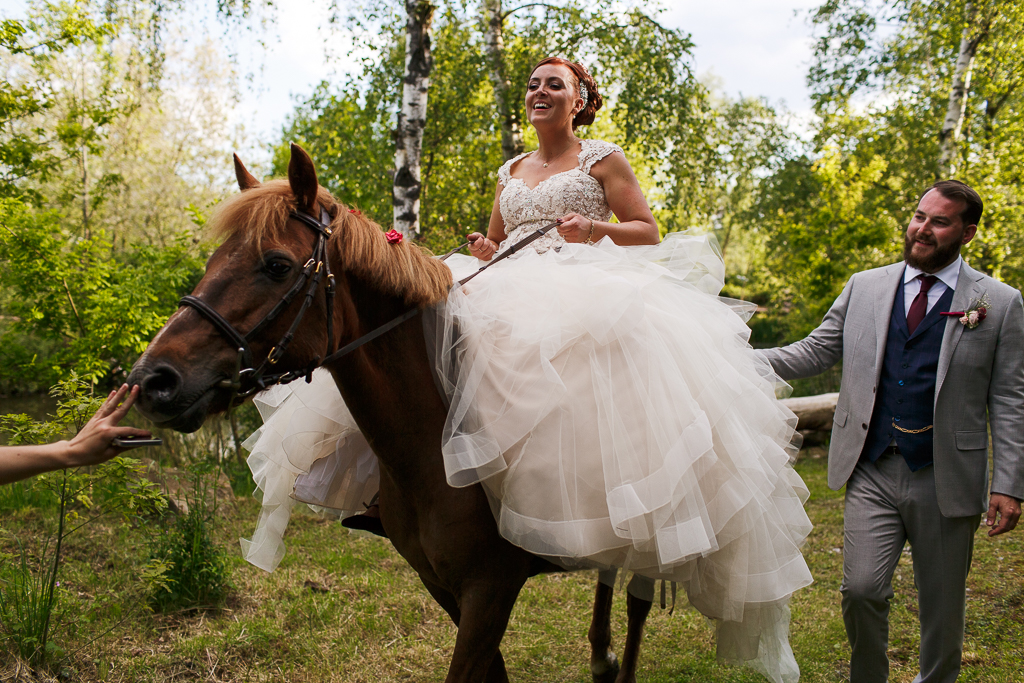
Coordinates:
<point>448,535</point>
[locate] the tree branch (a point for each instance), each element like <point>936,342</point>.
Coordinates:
<point>532,4</point>
<point>81,326</point>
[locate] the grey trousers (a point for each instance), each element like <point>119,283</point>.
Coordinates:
<point>887,505</point>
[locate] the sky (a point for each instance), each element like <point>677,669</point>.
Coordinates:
<point>752,47</point>
<point>757,48</point>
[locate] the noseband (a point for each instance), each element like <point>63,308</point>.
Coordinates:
<point>250,378</point>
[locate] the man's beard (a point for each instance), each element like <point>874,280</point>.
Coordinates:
<point>937,260</point>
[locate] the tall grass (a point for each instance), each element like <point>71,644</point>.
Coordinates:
<point>28,605</point>
<point>193,571</point>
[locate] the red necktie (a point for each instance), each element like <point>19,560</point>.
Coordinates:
<point>920,305</point>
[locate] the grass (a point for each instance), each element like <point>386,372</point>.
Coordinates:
<point>347,608</point>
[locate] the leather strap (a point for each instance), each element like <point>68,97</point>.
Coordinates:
<point>221,324</point>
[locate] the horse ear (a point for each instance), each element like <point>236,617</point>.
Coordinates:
<point>302,178</point>
<point>246,181</point>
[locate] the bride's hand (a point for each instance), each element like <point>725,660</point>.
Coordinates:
<point>481,247</point>
<point>574,228</point>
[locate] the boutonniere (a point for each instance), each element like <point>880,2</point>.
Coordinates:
<point>974,314</point>
<point>393,236</point>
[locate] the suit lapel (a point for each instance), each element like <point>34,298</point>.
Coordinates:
<point>967,290</point>
<point>885,296</point>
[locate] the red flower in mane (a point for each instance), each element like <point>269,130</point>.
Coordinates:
<point>393,236</point>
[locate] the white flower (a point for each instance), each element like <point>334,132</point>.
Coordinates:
<point>972,318</point>
<point>964,320</point>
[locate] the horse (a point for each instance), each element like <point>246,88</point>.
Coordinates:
<point>192,369</point>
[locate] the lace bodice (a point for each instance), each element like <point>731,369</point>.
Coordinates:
<point>525,209</point>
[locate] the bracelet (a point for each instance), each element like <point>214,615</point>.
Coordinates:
<point>590,235</point>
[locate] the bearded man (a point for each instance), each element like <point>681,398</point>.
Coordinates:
<point>930,349</point>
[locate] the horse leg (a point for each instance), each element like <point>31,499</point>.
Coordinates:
<point>445,599</point>
<point>485,612</point>
<point>496,673</point>
<point>604,666</point>
<point>638,604</point>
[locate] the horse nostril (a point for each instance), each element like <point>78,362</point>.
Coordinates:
<point>162,384</point>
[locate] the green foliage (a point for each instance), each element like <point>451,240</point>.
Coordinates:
<point>33,612</point>
<point>26,150</point>
<point>104,180</point>
<point>348,130</point>
<point>820,231</point>
<point>881,83</point>
<point>94,311</point>
<point>655,106</point>
<point>188,569</point>
<point>24,496</point>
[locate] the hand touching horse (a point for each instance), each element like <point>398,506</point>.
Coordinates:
<point>256,282</point>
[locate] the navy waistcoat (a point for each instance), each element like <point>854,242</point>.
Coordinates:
<point>906,388</point>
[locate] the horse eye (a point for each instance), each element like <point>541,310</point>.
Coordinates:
<point>277,269</point>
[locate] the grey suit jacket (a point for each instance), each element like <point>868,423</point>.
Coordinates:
<point>980,373</point>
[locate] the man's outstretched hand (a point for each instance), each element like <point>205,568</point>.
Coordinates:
<point>92,445</point>
<point>1006,510</point>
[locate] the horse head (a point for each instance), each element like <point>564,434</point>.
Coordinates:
<point>263,311</point>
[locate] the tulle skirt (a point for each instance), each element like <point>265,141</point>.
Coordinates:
<point>609,403</point>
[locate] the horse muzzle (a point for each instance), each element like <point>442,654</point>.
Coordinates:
<point>168,399</point>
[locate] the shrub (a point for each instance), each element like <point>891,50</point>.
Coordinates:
<point>188,569</point>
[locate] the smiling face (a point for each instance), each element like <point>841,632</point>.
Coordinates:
<point>936,232</point>
<point>552,98</point>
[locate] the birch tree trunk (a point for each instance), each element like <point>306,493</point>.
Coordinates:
<point>971,37</point>
<point>494,45</point>
<point>412,118</point>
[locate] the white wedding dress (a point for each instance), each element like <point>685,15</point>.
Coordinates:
<point>608,401</point>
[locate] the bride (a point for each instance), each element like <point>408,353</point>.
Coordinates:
<point>599,390</point>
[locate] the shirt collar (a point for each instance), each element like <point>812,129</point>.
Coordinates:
<point>949,275</point>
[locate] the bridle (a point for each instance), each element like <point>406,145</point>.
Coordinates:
<point>251,379</point>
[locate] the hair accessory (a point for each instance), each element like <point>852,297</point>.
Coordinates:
<point>584,93</point>
<point>393,236</point>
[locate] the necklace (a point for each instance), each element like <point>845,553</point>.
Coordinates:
<point>559,155</point>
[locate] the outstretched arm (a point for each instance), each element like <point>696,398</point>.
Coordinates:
<point>90,446</point>
<point>819,350</point>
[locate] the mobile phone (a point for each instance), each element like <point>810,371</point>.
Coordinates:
<point>135,442</point>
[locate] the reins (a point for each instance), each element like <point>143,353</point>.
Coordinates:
<point>314,271</point>
<point>533,236</point>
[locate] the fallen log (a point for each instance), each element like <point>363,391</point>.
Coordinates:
<point>814,413</point>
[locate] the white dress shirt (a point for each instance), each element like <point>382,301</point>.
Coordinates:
<point>948,277</point>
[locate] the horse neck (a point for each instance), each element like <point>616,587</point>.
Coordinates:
<point>389,387</point>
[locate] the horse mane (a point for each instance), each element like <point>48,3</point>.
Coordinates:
<point>357,245</point>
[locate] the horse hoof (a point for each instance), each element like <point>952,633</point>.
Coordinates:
<point>606,671</point>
